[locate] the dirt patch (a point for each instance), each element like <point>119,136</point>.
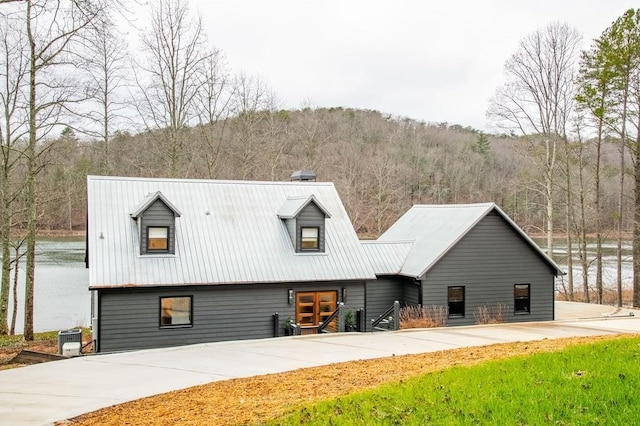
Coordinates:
<point>49,346</point>
<point>256,399</point>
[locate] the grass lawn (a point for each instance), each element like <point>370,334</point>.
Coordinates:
<point>592,384</point>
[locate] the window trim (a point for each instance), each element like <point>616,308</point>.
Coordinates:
<point>182,325</point>
<point>517,311</point>
<point>152,250</point>
<point>317,240</point>
<point>463,302</point>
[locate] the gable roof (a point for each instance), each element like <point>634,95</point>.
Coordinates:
<point>150,199</point>
<point>436,229</point>
<point>387,258</point>
<point>293,205</point>
<point>228,232</point>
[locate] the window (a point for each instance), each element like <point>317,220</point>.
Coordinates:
<point>158,238</point>
<point>176,311</point>
<point>456,302</point>
<point>522,302</point>
<point>309,238</point>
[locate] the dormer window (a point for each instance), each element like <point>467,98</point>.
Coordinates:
<point>304,218</point>
<point>158,239</point>
<point>156,221</point>
<point>309,238</point>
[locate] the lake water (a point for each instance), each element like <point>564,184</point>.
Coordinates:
<point>63,301</point>
<point>61,297</point>
<point>609,264</point>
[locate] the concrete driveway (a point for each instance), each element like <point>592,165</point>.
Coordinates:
<point>44,393</point>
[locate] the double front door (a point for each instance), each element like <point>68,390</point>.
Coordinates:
<point>313,308</point>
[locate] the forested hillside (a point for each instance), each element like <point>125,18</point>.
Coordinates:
<point>74,100</point>
<point>381,165</point>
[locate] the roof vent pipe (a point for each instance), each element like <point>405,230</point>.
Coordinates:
<point>303,176</point>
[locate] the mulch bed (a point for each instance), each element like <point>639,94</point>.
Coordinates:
<point>256,399</point>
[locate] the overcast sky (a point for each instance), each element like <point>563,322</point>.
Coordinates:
<point>435,61</point>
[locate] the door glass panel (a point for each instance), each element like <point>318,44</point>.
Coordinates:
<point>312,308</point>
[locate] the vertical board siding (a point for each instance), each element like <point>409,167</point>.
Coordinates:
<point>489,261</point>
<point>129,318</point>
<point>158,214</point>
<point>311,215</point>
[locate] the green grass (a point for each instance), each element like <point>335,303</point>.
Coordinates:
<point>17,341</point>
<point>584,385</point>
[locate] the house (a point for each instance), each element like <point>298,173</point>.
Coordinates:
<point>182,261</point>
<point>465,258</point>
<point>174,262</point>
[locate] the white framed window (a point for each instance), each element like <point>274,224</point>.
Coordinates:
<point>309,238</point>
<point>158,239</point>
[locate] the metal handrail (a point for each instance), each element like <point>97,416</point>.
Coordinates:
<point>392,312</point>
<point>326,322</point>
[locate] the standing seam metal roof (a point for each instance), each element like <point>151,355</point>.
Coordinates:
<point>228,232</point>
<point>387,258</point>
<point>436,229</point>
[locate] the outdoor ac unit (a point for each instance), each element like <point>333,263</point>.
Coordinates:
<point>71,349</point>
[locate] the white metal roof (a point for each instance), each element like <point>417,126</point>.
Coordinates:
<point>293,205</point>
<point>387,258</point>
<point>435,229</point>
<point>150,199</point>
<point>228,232</point>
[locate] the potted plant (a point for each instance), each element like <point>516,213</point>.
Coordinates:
<point>350,321</point>
<point>288,327</point>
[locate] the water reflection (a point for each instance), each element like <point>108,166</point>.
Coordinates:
<point>62,299</point>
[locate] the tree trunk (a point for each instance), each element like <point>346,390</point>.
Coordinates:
<point>14,315</point>
<point>31,187</point>
<point>636,228</point>
<point>6,253</point>
<point>569,221</point>
<point>598,206</point>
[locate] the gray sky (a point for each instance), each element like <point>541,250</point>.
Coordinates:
<point>434,61</point>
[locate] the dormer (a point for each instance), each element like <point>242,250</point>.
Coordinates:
<point>305,218</point>
<point>156,220</point>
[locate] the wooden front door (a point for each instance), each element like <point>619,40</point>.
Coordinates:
<point>313,307</point>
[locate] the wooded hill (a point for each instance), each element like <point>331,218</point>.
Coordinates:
<point>381,165</point>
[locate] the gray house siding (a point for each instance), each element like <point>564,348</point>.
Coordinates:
<point>411,293</point>
<point>488,262</point>
<point>381,294</point>
<point>158,214</point>
<point>311,215</point>
<point>130,318</point>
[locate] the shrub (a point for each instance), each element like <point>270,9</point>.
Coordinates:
<point>423,316</point>
<point>490,314</point>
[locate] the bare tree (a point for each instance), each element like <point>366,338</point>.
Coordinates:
<point>537,100</point>
<point>106,64</point>
<point>253,102</point>
<point>52,28</point>
<point>13,76</point>
<point>172,74</point>
<point>213,106</point>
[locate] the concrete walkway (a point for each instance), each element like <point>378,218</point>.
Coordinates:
<point>44,393</point>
